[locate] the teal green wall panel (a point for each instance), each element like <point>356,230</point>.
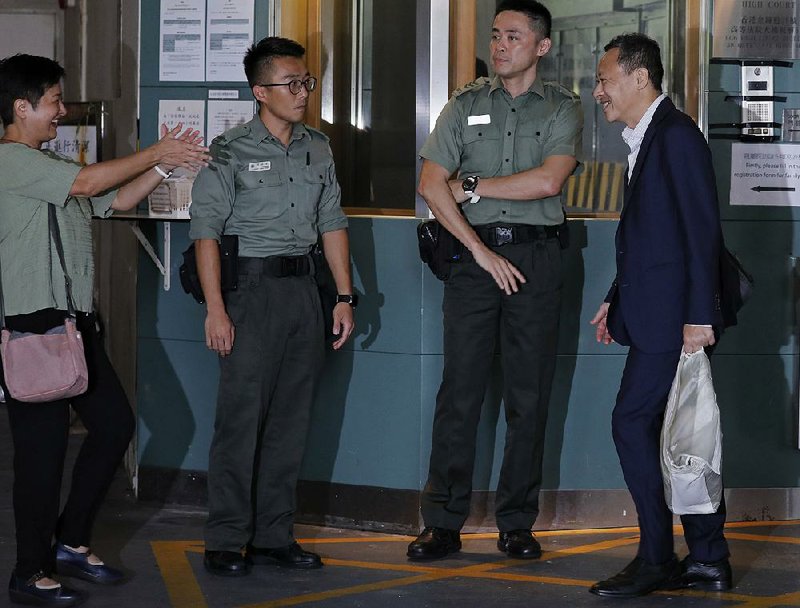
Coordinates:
<point>166,315</point>
<point>386,277</point>
<point>366,421</point>
<point>758,401</point>
<point>768,323</point>
<point>372,419</point>
<point>176,396</point>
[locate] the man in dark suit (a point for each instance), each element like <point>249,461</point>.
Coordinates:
<point>664,298</point>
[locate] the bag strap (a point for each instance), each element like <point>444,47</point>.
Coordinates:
<point>2,307</point>
<point>55,234</point>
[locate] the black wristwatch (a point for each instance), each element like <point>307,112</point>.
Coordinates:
<point>470,183</point>
<point>351,299</point>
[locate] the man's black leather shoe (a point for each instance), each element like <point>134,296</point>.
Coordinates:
<point>639,578</point>
<point>72,563</point>
<point>226,563</point>
<point>23,591</point>
<point>711,576</point>
<point>519,544</point>
<point>290,556</point>
<point>434,543</point>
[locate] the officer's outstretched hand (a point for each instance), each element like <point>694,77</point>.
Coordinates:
<point>504,272</point>
<point>220,332</point>
<point>343,323</point>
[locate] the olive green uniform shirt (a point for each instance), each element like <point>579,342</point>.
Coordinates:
<point>32,279</point>
<point>484,131</point>
<point>276,198</point>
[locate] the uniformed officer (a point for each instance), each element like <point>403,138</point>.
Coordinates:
<point>513,141</point>
<point>272,183</point>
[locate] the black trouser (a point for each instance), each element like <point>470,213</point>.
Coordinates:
<point>476,313</point>
<point>266,390</point>
<point>636,424</point>
<point>40,432</point>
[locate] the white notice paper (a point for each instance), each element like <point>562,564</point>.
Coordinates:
<point>765,174</point>
<point>224,115</point>
<point>190,112</point>
<point>230,32</point>
<point>182,50</point>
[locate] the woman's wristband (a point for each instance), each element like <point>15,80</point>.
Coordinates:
<point>161,172</point>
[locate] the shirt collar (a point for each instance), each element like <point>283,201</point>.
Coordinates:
<point>537,86</point>
<point>635,135</point>
<point>260,132</point>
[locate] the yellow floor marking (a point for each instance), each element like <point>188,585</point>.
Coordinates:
<point>184,590</point>
<point>345,591</point>
<point>787,599</point>
<point>182,587</point>
<point>591,548</point>
<point>790,540</point>
<point>677,528</point>
<point>439,574</point>
<point>758,524</point>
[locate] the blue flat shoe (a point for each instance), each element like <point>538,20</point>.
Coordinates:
<point>72,563</point>
<point>22,591</point>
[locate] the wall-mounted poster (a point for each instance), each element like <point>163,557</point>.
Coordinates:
<point>182,53</point>
<point>230,33</point>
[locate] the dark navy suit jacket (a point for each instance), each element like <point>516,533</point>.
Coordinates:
<point>668,238</point>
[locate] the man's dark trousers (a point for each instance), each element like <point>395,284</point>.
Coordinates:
<point>636,423</point>
<point>265,394</point>
<point>476,311</point>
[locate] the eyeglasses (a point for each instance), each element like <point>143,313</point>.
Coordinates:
<point>309,83</point>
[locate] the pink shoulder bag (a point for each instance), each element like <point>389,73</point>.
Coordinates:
<point>49,366</point>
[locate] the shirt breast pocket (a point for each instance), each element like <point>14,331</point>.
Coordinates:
<point>313,183</point>
<point>483,148</point>
<point>261,194</point>
<point>531,138</point>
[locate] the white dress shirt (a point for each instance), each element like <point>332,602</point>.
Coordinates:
<point>633,137</point>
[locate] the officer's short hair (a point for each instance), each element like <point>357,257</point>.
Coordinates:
<point>638,51</point>
<point>537,13</point>
<point>25,77</point>
<point>259,56</point>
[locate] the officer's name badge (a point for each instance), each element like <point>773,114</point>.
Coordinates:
<point>480,119</point>
<point>262,166</point>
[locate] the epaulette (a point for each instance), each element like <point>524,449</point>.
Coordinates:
<point>231,135</point>
<point>563,90</point>
<point>316,133</point>
<point>472,86</point>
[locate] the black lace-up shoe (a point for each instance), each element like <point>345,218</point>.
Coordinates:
<point>434,543</point>
<point>706,576</point>
<point>519,544</point>
<point>226,563</point>
<point>22,591</point>
<point>639,578</point>
<point>290,556</point>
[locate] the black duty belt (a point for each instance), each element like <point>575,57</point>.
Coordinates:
<point>512,234</point>
<point>277,266</point>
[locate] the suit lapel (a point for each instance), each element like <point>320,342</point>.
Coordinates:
<point>665,107</point>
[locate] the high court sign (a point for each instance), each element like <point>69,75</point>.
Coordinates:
<point>756,29</point>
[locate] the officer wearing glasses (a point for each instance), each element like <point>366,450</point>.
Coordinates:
<point>271,182</point>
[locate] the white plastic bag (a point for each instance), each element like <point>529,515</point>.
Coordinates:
<point>691,440</point>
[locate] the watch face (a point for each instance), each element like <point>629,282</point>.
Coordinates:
<point>347,299</point>
<point>469,184</point>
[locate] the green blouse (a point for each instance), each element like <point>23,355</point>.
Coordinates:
<point>32,278</point>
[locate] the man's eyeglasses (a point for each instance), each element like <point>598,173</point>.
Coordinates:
<point>309,83</point>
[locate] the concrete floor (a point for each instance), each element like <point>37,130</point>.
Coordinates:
<point>160,547</point>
